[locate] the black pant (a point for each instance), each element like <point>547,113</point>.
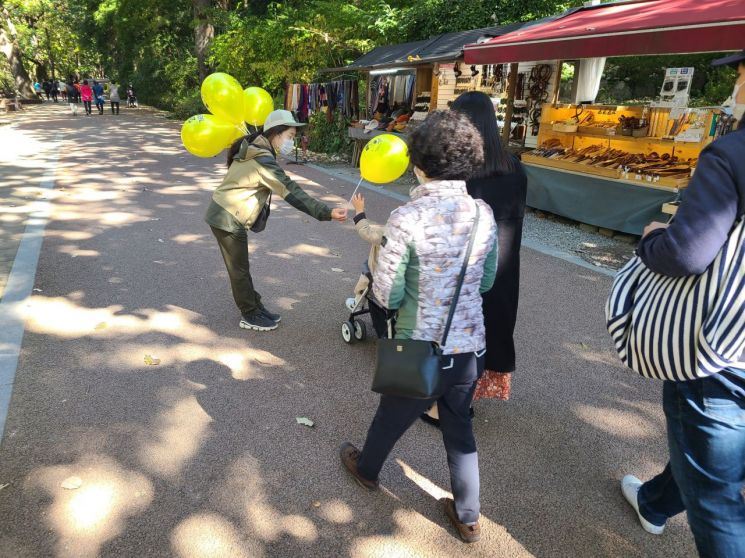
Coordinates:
<point>234,250</point>
<point>99,106</point>
<point>114,107</point>
<point>396,414</point>
<point>87,106</point>
<point>54,96</point>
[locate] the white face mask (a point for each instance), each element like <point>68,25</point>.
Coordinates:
<point>738,111</point>
<point>287,148</point>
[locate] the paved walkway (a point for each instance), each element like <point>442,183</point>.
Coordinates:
<point>201,455</point>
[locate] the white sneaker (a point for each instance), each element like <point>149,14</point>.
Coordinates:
<point>630,486</point>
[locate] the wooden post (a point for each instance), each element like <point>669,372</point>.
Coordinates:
<point>434,87</point>
<point>511,88</point>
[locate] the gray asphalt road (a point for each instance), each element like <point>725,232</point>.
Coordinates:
<point>201,456</point>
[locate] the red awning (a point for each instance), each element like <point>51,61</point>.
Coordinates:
<point>622,29</point>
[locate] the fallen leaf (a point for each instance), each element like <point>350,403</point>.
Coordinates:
<point>316,504</point>
<point>161,240</point>
<point>337,270</point>
<point>7,484</point>
<point>72,483</point>
<point>151,361</point>
<point>305,422</point>
<point>100,326</point>
<point>585,346</point>
<point>37,290</point>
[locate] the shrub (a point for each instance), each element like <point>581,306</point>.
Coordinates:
<point>329,137</point>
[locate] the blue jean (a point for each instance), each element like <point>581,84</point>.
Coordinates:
<point>396,414</point>
<point>706,472</point>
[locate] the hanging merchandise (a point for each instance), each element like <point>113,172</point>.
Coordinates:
<point>540,77</point>
<point>333,96</point>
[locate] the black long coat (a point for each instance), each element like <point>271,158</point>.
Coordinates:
<point>505,194</point>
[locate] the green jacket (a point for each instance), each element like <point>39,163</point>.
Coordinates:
<point>237,202</point>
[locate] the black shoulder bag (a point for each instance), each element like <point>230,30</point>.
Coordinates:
<point>260,223</point>
<point>409,367</point>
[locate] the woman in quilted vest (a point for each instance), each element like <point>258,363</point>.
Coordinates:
<point>420,261</point>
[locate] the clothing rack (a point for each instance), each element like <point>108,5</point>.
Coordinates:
<point>390,92</point>
<point>340,95</point>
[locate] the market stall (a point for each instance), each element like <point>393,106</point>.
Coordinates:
<point>407,81</point>
<point>616,166</point>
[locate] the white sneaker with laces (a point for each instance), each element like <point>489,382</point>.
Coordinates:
<point>630,486</point>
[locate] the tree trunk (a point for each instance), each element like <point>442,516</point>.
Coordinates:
<point>12,52</point>
<point>204,32</point>
<point>51,54</point>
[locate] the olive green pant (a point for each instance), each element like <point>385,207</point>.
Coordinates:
<point>234,250</point>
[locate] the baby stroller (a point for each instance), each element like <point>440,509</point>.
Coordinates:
<point>355,329</point>
<point>131,98</point>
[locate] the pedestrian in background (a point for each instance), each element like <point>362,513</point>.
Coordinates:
<point>114,97</point>
<point>419,265</point>
<point>54,89</point>
<point>73,96</point>
<point>47,88</point>
<point>86,94</point>
<point>705,476</point>
<point>62,87</point>
<point>98,96</point>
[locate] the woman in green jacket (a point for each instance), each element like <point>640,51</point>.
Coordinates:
<point>238,204</point>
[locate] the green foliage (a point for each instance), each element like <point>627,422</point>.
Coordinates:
<point>431,17</point>
<point>269,43</point>
<point>329,137</point>
<point>294,40</point>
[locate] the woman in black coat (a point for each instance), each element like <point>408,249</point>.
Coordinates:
<point>503,185</point>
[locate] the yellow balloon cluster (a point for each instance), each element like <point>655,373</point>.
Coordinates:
<point>384,159</point>
<point>206,135</point>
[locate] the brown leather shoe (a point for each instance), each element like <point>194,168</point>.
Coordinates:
<point>468,533</point>
<point>349,457</point>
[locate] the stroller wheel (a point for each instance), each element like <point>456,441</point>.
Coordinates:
<point>347,329</point>
<point>360,330</point>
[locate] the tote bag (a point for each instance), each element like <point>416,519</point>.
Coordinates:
<point>681,328</point>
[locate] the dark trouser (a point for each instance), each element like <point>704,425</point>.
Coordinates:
<point>396,414</point>
<point>500,303</point>
<point>234,250</point>
<point>706,472</point>
<point>54,96</point>
<point>87,106</point>
<point>114,107</point>
<point>99,105</point>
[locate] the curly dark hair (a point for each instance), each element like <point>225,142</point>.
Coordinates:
<point>447,146</point>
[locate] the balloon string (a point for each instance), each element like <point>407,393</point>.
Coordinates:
<point>355,190</point>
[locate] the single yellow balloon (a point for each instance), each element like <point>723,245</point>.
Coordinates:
<point>384,159</point>
<point>257,104</point>
<point>205,135</point>
<point>223,97</point>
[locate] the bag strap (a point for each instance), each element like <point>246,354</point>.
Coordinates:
<point>462,276</point>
